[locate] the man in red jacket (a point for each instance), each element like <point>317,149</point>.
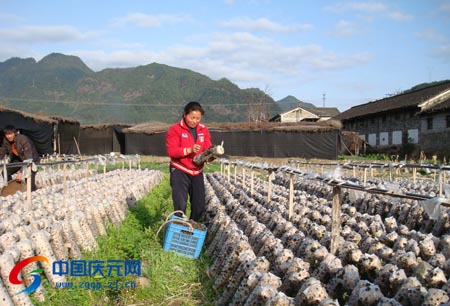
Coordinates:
<point>184,140</point>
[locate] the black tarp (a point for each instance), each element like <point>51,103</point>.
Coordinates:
<point>102,139</point>
<point>280,144</point>
<point>272,144</point>
<point>67,133</point>
<point>119,138</point>
<point>145,144</point>
<point>38,128</point>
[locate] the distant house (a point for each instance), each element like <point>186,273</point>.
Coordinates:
<point>308,114</point>
<point>420,117</point>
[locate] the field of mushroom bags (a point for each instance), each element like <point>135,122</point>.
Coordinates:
<point>390,252</point>
<point>66,215</point>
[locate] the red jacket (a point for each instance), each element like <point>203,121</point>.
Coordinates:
<point>179,139</point>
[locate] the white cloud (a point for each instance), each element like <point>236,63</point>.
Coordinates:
<point>445,7</point>
<point>149,21</point>
<point>345,29</point>
<point>397,16</point>
<point>10,17</point>
<point>366,7</point>
<point>370,8</point>
<point>241,57</point>
<point>431,34</point>
<point>332,61</point>
<point>443,52</point>
<point>33,34</point>
<point>262,24</point>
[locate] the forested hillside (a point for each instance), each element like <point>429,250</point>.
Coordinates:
<point>63,85</point>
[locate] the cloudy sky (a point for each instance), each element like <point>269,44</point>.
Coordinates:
<point>329,53</point>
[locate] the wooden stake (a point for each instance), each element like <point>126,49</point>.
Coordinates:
<point>252,183</point>
<point>269,190</point>
<point>76,144</point>
<point>64,178</point>
<point>87,175</point>
<point>291,195</point>
<point>59,144</point>
<point>28,175</point>
<point>336,219</point>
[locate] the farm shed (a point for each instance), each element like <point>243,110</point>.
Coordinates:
<point>40,129</point>
<point>306,140</point>
<point>146,139</point>
<point>102,139</point>
<point>67,133</point>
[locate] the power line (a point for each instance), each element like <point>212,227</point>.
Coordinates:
<point>119,104</point>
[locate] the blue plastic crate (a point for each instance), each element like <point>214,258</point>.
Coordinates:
<point>181,239</point>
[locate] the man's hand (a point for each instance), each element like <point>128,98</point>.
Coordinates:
<point>19,176</point>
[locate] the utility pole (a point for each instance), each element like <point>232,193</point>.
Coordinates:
<point>323,98</point>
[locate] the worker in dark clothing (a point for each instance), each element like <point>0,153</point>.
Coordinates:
<point>19,148</point>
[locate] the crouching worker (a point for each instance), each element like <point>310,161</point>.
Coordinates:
<point>184,141</point>
<point>19,148</point>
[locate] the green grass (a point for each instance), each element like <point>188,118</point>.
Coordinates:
<point>172,279</point>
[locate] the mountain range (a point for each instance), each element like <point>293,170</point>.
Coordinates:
<point>63,85</point>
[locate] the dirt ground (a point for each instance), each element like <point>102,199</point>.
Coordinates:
<point>254,159</point>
